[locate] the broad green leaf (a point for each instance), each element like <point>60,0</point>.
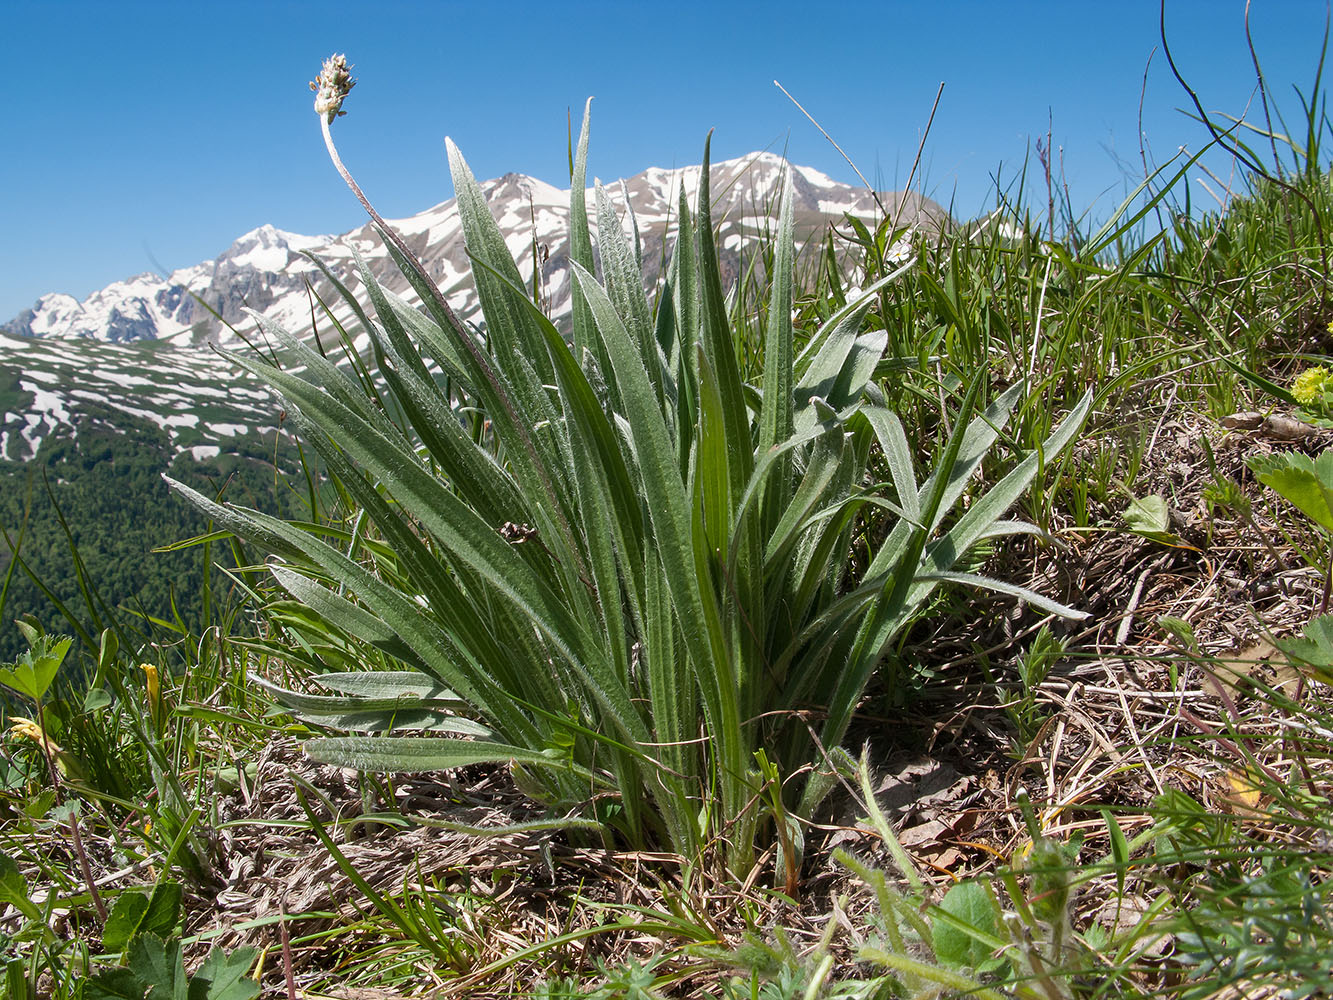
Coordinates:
<point>1151,518</point>
<point>974,909</point>
<point>1304,482</point>
<point>96,699</point>
<point>1314,647</point>
<point>1148,515</point>
<point>14,888</point>
<point>155,971</point>
<point>159,966</point>
<point>222,976</point>
<point>118,983</point>
<point>139,913</point>
<point>36,668</point>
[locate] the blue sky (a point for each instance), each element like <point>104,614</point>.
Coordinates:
<point>136,136</point>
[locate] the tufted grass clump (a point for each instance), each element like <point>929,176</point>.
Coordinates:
<point>604,557</point>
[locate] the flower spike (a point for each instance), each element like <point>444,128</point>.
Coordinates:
<point>332,86</point>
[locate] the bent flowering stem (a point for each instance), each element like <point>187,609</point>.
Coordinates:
<point>331,88</point>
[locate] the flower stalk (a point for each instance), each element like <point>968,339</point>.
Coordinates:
<point>331,88</point>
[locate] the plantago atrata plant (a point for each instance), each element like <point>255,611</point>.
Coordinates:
<point>632,581</point>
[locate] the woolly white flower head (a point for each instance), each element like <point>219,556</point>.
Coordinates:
<point>332,86</point>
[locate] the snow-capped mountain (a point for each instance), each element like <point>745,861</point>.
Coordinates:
<point>264,269</point>
<point>141,346</point>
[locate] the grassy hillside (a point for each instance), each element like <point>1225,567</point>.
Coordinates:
<point>956,628</point>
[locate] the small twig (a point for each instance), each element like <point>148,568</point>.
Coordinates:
<point>74,835</point>
<point>1231,147</point>
<point>1128,716</point>
<point>85,868</point>
<point>816,124</point>
<point>1143,142</point>
<point>286,953</point>
<point>920,147</point>
<point>1127,623</point>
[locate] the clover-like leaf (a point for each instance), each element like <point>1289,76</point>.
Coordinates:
<point>222,976</point>
<point>33,672</point>
<point>1314,647</point>
<point>1304,482</point>
<point>138,913</point>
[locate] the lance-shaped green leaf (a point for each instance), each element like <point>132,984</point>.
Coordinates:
<point>396,611</point>
<point>455,525</point>
<point>840,359</point>
<point>775,415</point>
<point>688,578</point>
<point>414,754</point>
<point>716,340</point>
<point>379,713</point>
<point>580,240</point>
<point>385,684</point>
<point>624,285</point>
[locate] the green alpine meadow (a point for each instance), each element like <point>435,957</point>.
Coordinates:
<point>892,607</point>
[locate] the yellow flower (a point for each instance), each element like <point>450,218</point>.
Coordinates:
<point>154,692</point>
<point>1311,384</point>
<point>28,729</point>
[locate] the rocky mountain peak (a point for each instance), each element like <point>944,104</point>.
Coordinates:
<point>264,270</point>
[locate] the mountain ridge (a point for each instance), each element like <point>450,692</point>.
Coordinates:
<point>141,347</point>
<point>264,269</point>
